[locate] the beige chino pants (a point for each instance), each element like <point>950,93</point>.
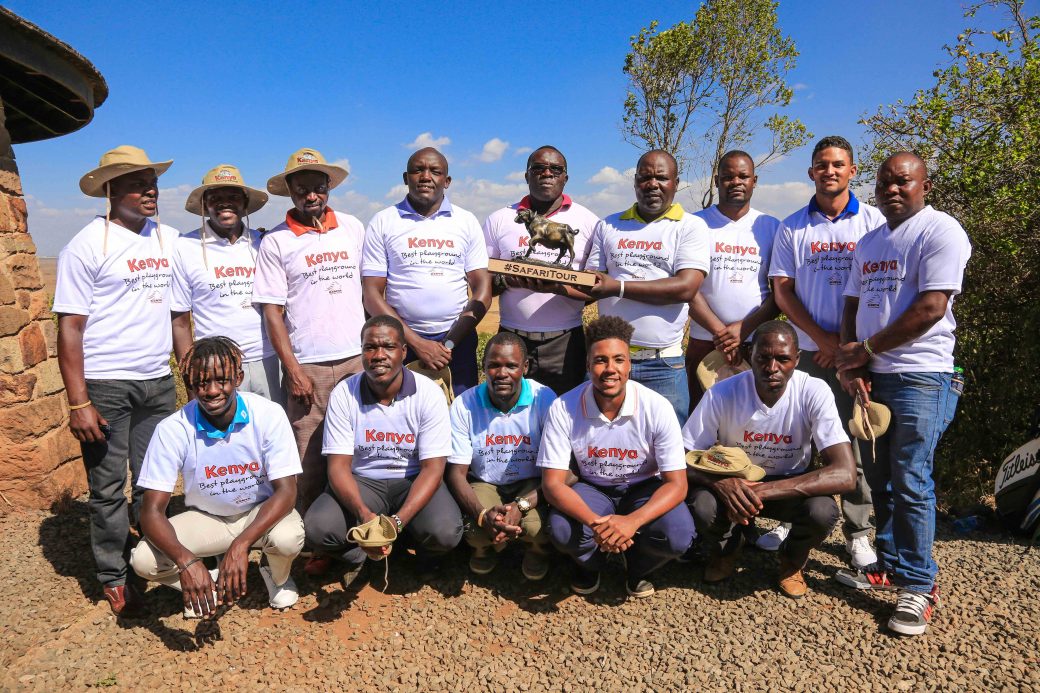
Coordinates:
<point>536,534</point>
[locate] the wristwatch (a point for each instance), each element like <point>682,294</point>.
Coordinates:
<point>448,344</point>
<point>523,505</point>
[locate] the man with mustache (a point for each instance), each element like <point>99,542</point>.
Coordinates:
<point>424,258</point>
<point>897,349</point>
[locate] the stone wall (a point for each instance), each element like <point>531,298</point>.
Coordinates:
<point>39,458</point>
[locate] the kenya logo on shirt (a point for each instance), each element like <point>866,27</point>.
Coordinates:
<point>513,440</point>
<point>326,257</point>
<point>753,437</point>
<point>374,436</point>
<point>831,247</point>
<point>138,264</point>
<point>595,453</point>
<point>437,243</point>
<point>882,266</point>
<point>214,472</point>
<point>223,272</point>
<point>721,247</point>
<point>629,244</point>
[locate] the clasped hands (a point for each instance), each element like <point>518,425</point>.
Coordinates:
<point>614,533</point>
<point>502,523</point>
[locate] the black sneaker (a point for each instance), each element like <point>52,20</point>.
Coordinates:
<point>913,612</point>
<point>639,587</point>
<point>585,582</point>
<point>872,577</point>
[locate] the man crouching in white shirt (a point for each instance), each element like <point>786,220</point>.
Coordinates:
<point>238,457</point>
<point>773,413</point>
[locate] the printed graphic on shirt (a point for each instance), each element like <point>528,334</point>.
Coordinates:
<point>231,482</point>
<point>329,269</point>
<point>151,275</point>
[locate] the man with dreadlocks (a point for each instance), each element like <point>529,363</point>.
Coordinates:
<point>213,278</point>
<point>236,453</point>
<point>113,307</point>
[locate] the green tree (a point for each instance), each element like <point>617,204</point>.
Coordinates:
<point>711,84</point>
<point>978,128</point>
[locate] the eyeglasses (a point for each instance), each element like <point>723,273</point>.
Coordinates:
<point>554,169</point>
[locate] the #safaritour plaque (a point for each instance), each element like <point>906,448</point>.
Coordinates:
<point>552,235</point>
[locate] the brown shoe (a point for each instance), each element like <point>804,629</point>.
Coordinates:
<point>790,580</point>
<point>721,566</point>
<point>125,601</point>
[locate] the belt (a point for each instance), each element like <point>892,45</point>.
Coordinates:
<point>640,353</point>
<point>536,336</point>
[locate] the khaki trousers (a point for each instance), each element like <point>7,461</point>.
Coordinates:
<point>533,523</point>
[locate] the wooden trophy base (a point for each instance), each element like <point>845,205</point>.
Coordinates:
<point>545,271</point>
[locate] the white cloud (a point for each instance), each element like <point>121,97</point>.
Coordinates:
<point>482,196</point>
<point>343,163</point>
<point>493,150</point>
<point>608,175</point>
<point>516,176</point>
<point>397,192</point>
<point>799,86</point>
<point>782,199</point>
<point>426,139</point>
<point>520,151</point>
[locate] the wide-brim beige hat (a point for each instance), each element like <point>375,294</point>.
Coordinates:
<point>117,162</point>
<point>869,418</point>
<point>725,461</point>
<point>305,160</point>
<point>224,176</point>
<point>715,367</point>
<point>441,378</point>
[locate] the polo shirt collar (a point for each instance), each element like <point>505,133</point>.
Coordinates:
<point>405,209</point>
<point>851,209</point>
<point>329,222</point>
<point>407,388</point>
<point>629,407</point>
<point>203,425</point>
<point>564,206</point>
<point>675,213</point>
<point>524,400</point>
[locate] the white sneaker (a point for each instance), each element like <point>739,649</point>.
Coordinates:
<point>189,612</point>
<point>281,596</point>
<point>771,541</point>
<point>861,551</point>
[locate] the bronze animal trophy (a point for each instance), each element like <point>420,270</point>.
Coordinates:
<point>551,234</point>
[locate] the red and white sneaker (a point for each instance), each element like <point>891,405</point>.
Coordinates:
<point>913,612</point>
<point>872,577</point>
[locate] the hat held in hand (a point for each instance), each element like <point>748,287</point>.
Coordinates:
<point>869,421</point>
<point>725,461</point>
<point>716,367</point>
<point>378,532</point>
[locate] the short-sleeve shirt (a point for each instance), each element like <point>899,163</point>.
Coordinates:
<point>738,281</point>
<point>506,238</point>
<point>387,441</point>
<point>317,277</point>
<point>499,447</point>
<point>816,252</point>
<point>217,287</point>
<point>425,261</point>
<point>125,295</point>
<point>927,252</point>
<point>642,441</point>
<point>625,247</point>
<point>225,472</point>
<point>776,438</point>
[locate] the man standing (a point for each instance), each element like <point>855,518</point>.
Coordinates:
<point>308,286</point>
<point>213,271</point>
<point>387,437</point>
<point>773,413</point>
<point>897,349</point>
<point>628,454</point>
<point>655,256</point>
<point>812,260</point>
<point>735,298</point>
<point>113,306</point>
<point>423,258</point>
<point>236,454</point>
<point>550,325</point>
<point>496,428</point>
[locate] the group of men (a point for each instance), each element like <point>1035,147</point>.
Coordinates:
<point>304,350</point>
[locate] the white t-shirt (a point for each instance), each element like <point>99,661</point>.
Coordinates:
<point>642,441</point>
<point>817,253</point>
<point>387,442</point>
<point>776,438</point>
<point>626,248</point>
<point>500,447</point>
<point>317,277</point>
<point>425,261</point>
<point>927,252</point>
<point>125,296</point>
<point>223,474</point>
<point>522,309</point>
<point>218,289</point>
<point>738,282</point>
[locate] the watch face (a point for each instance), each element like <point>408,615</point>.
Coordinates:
<point>449,345</point>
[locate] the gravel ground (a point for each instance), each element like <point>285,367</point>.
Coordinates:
<point>498,633</point>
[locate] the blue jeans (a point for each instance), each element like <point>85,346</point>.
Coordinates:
<point>667,377</point>
<point>900,477</point>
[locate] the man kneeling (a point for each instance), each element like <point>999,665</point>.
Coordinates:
<point>495,431</point>
<point>238,457</point>
<point>772,413</point>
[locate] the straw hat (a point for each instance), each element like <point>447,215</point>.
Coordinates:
<point>441,378</point>
<point>118,162</point>
<point>725,461</point>
<point>869,419</point>
<point>224,176</point>
<point>305,160</point>
<point>715,367</point>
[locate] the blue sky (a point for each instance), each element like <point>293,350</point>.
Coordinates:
<point>247,83</point>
